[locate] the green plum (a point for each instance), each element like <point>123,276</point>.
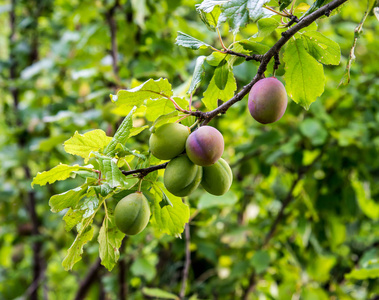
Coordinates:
<point>217,178</point>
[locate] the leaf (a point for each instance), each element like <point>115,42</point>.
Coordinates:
<point>213,93</point>
<point>67,199</point>
<point>162,119</point>
<point>158,293</point>
<point>121,135</point>
<point>254,47</point>
<point>72,218</point>
<point>304,75</point>
<point>376,12</point>
<point>83,144</point>
<point>266,27</point>
<point>188,41</point>
<point>260,261</point>
<point>111,173</point>
<point>363,274</point>
<point>323,49</point>
<point>169,219</point>
<point>207,200</point>
<point>235,12</point>
<point>156,108</point>
<point>208,5</point>
<point>284,4</point>
<point>314,131</point>
<point>60,172</point>
<point>210,19</point>
<point>198,74</point>
<point>151,89</point>
<point>74,253</point>
<point>221,75</point>
<point>257,11</point>
<point>137,130</point>
<point>362,193</point>
<point>110,239</point>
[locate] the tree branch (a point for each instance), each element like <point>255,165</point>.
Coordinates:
<point>273,52</point>
<point>88,280</point>
<point>187,262</point>
<point>110,16</point>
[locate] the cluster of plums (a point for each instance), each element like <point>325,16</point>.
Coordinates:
<point>195,158</point>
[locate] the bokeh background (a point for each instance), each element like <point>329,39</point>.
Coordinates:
<point>60,60</point>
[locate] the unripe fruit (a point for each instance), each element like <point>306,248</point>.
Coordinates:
<point>217,178</point>
<point>168,140</point>
<point>182,176</point>
<point>132,213</point>
<point>205,146</point>
<point>267,100</point>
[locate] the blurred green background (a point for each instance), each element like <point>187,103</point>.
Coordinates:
<point>56,73</point>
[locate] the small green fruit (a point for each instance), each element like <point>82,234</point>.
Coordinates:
<point>182,176</point>
<point>132,213</point>
<point>168,140</point>
<point>217,178</point>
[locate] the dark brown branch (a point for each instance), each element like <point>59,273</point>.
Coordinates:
<point>110,15</point>
<point>90,278</point>
<point>255,57</point>
<point>122,275</point>
<point>187,263</point>
<point>144,172</point>
<point>289,199</point>
<point>250,288</point>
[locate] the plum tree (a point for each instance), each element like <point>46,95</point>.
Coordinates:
<point>182,176</point>
<point>205,146</point>
<point>267,100</point>
<point>132,213</point>
<point>168,140</point>
<point>217,178</point>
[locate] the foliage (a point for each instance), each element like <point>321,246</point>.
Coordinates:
<point>59,68</point>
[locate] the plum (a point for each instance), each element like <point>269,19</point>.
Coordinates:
<point>132,213</point>
<point>267,100</point>
<point>182,176</point>
<point>168,140</point>
<point>205,146</point>
<point>217,178</point>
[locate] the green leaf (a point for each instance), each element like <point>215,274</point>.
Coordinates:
<point>260,261</point>
<point>208,5</point>
<point>362,192</point>
<point>215,58</point>
<point>68,199</point>
<point>257,11</point>
<point>121,135</point>
<point>74,253</point>
<point>188,41</point>
<point>213,93</point>
<point>110,239</point>
<point>156,108</point>
<point>284,4</point>
<point>144,267</point>
<point>363,274</point>
<point>323,49</point>
<point>221,75</point>
<point>209,18</point>
<point>235,12</point>
<point>60,172</point>
<point>207,200</point>
<point>158,293</point>
<point>169,219</point>
<point>314,131</point>
<point>304,75</point>
<point>254,47</point>
<point>111,173</point>
<point>198,74</point>
<point>266,26</point>
<point>83,144</point>
<point>162,119</point>
<point>137,130</point>
<point>151,89</point>
<point>72,218</point>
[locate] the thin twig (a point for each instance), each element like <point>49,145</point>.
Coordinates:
<point>187,263</point>
<point>145,171</point>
